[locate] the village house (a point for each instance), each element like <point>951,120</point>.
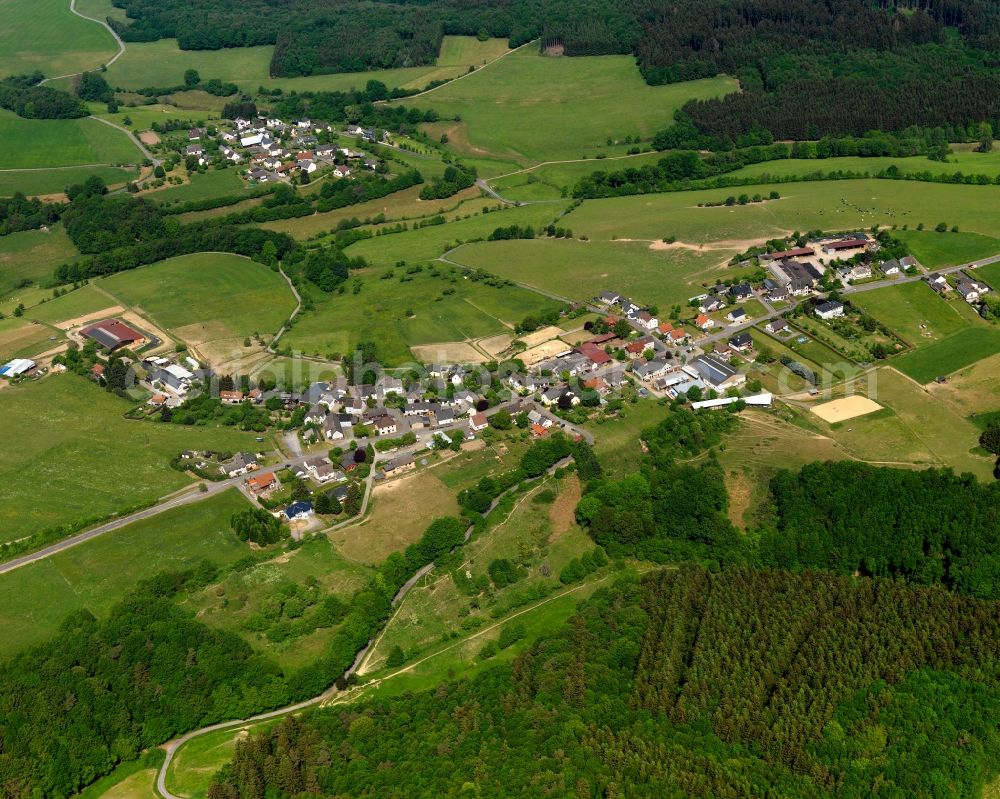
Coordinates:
<point>646,320</point>
<point>384,425</point>
<point>650,369</point>
<point>703,322</point>
<point>830,309</point>
<point>231,397</point>
<point>776,326</point>
<point>737,315</point>
<point>711,305</point>
<point>938,282</point>
<point>262,483</point>
<point>891,267</point>
<point>478,422</point>
<point>609,298</point>
<point>970,290</point>
<point>742,342</point>
<point>400,464</point>
<point>333,430</point>
<point>240,464</point>
<point>795,277</point>
<point>741,292</point>
<point>300,510</point>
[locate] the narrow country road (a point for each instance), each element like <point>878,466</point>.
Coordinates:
<point>135,140</point>
<point>108,28</point>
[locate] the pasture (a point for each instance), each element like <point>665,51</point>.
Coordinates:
<point>973,390</point>
<point>435,305</point>
<point>962,349</point>
<point>32,255</point>
<point>212,301</point>
<point>82,302</point>
<point>96,574</point>
<point>914,311</point>
<point>580,270</point>
<point>47,143</point>
<point>69,455</point>
<point>425,244</point>
<point>20,338</point>
<point>826,205</point>
<point>529,108</point>
<point>45,35</point>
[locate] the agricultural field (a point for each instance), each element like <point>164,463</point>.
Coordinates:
<point>528,108</point>
<point>914,311</point>
<point>230,603</point>
<point>96,574</point>
<point>46,182</point>
<point>32,255</point>
<point>101,9</point>
<point>410,309</point>
<point>974,392</point>
<point>826,205</point>
<point>162,63</point>
<point>208,186</point>
<point>401,205</point>
<point>81,302</point>
<point>212,301</point>
<point>425,244</point>
<point>959,350</point>
<point>44,144</point>
<point>401,509</point>
<point>580,270</point>
<point>989,274</point>
<point>45,35</point>
<point>20,338</point>
<point>77,432</point>
<point>935,250</point>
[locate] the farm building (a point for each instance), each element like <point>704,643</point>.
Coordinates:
<point>16,367</point>
<point>111,334</point>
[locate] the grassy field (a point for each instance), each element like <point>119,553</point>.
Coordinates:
<point>550,181</point>
<point>920,431</point>
<point>70,455</point>
<point>162,63</point>
<point>972,391</point>
<point>915,311</point>
<point>96,574</point>
<point>46,35</point>
<point>402,509</point>
<point>962,349</point>
<point>827,205</point>
<point>935,250</point>
<point>530,108</point>
<point>212,301</point>
<point>44,182</point>
<point>78,302</point>
<point>405,204</point>
<point>580,270</point>
<point>966,162</point>
<point>617,439</point>
<point>446,308</point>
<point>32,255</point>
<point>228,604</point>
<point>990,274</point>
<point>20,338</point>
<point>210,185</point>
<point>47,143</point>
<point>427,243</point>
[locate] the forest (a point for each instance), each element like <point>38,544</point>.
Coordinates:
<point>686,684</point>
<point>23,95</point>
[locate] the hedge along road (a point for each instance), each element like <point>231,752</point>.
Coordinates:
<point>173,746</point>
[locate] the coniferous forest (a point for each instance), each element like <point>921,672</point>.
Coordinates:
<point>688,684</point>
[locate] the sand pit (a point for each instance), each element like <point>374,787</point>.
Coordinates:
<point>540,336</point>
<point>841,410</point>
<point>149,137</point>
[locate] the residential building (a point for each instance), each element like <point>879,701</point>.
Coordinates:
<point>776,326</point>
<point>742,342</point>
<point>830,309</point>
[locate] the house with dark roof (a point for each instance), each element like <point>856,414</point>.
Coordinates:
<point>741,342</point>
<point>718,373</point>
<point>830,309</point>
<point>302,509</point>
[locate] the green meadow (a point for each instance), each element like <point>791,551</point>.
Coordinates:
<point>962,349</point>
<point>827,205</point>
<point>162,63</point>
<point>96,574</point>
<point>47,143</point>
<point>915,312</point>
<point>32,255</point>
<point>529,108</point>
<point>422,310</point>
<point>45,35</point>
<point>79,302</point>
<point>35,182</point>
<point>20,338</point>
<point>70,455</point>
<point>935,250</point>
<point>208,186</point>
<point>580,270</point>
<point>212,301</point>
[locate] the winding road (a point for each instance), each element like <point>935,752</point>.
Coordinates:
<point>108,28</point>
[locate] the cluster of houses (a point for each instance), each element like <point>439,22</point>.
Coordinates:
<point>853,258</point>
<point>274,150</point>
<point>968,288</point>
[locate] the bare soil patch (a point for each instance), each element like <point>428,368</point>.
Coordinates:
<point>448,352</point>
<point>840,410</point>
<point>562,512</point>
<point>496,344</point>
<point>149,137</point>
<point>543,352</point>
<point>541,336</point>
<point>79,321</point>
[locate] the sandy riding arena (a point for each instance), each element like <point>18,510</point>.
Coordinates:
<point>847,408</point>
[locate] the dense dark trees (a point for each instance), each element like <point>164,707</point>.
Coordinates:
<point>687,685</point>
<point>101,692</point>
<point>93,86</point>
<point>22,95</point>
<point>258,526</point>
<point>339,193</point>
<point>19,213</point>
